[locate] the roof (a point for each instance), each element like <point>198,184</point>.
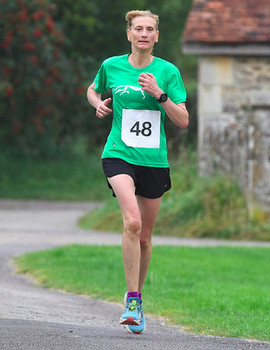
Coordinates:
<point>228,22</point>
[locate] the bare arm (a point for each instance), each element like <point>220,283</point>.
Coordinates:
<point>176,112</point>
<point>94,98</point>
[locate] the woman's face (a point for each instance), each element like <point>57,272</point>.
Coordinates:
<point>143,33</point>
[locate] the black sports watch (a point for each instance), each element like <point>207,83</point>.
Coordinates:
<point>162,98</point>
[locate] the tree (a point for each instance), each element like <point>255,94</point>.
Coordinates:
<point>40,88</point>
<point>96,28</point>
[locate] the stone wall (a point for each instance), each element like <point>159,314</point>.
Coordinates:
<point>234,121</point>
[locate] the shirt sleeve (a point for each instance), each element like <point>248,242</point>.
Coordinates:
<point>101,79</point>
<point>176,89</point>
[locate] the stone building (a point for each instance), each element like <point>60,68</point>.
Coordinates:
<point>232,39</point>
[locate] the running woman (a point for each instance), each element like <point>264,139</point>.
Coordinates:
<point>145,88</point>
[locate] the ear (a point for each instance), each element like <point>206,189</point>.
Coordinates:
<point>128,35</point>
<point>157,35</point>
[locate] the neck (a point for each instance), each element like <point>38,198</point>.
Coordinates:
<point>140,60</point>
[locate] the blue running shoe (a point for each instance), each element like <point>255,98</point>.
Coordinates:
<point>136,329</point>
<point>132,315</point>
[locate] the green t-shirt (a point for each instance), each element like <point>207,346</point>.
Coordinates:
<point>137,134</point>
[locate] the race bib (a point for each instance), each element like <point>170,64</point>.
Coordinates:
<point>141,128</point>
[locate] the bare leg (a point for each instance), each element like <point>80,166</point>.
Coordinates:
<point>139,217</point>
<point>123,186</point>
<point>149,209</point>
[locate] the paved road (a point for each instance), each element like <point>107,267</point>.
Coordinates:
<point>35,318</point>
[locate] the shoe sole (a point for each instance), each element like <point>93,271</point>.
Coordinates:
<point>129,322</point>
<point>136,332</point>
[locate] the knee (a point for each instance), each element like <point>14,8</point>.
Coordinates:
<point>132,226</point>
<point>145,241</point>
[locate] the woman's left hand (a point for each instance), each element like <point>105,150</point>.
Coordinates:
<point>149,84</point>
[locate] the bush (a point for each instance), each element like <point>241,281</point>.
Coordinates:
<point>40,89</point>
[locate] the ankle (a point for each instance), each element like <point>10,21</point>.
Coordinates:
<point>133,295</point>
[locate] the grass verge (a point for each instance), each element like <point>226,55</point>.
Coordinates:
<point>218,291</point>
<point>76,178</point>
<point>195,207</point>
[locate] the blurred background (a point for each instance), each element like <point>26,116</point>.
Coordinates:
<point>51,140</point>
<point>50,53</point>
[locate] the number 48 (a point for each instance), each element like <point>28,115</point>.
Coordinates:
<point>146,129</point>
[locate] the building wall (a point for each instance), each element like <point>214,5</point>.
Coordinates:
<point>234,121</point>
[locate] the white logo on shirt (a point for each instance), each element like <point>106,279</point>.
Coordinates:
<point>125,89</point>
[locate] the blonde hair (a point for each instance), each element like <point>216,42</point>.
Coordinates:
<point>136,13</point>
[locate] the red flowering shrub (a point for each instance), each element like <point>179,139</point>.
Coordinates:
<point>40,103</point>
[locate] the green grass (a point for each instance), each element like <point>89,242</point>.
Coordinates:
<point>74,178</point>
<point>195,207</point>
<point>218,291</point>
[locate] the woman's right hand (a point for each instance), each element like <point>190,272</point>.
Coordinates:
<point>102,109</point>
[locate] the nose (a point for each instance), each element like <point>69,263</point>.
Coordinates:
<point>144,33</point>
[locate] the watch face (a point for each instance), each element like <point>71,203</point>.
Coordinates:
<point>163,98</point>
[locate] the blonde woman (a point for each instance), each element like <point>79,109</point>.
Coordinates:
<point>145,88</point>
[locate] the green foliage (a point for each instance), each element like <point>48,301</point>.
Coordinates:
<point>222,290</point>
<point>40,89</point>
<point>99,33</point>
<point>202,206</point>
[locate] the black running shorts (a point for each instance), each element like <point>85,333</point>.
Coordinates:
<point>150,182</point>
